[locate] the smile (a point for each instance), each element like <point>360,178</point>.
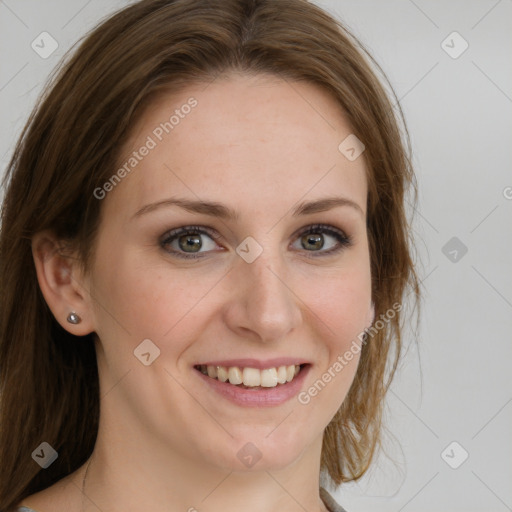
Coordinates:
<point>248,377</point>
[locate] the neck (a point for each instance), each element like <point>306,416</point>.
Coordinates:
<point>135,467</point>
<point>126,473</point>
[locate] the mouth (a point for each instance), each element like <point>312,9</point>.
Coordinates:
<point>248,377</point>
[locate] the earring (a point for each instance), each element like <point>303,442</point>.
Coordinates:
<point>73,318</point>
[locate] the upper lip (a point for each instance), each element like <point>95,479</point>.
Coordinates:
<point>256,363</point>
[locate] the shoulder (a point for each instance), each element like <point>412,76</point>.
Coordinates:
<point>60,497</point>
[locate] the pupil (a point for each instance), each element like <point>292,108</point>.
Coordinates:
<point>315,241</point>
<point>190,242</point>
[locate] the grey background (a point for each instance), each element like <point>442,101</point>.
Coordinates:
<point>459,114</point>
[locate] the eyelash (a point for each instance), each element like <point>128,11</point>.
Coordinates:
<point>344,240</point>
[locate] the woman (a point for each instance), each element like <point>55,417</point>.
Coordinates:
<point>204,254</point>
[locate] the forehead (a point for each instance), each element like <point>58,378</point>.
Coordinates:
<point>248,141</point>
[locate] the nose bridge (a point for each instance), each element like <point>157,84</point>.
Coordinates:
<point>270,308</point>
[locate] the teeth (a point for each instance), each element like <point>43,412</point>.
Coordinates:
<point>281,374</point>
<point>235,375</point>
<point>269,378</point>
<point>222,373</point>
<point>252,377</point>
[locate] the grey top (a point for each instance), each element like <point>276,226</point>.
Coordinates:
<point>331,505</point>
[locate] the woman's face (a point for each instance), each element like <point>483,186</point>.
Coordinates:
<point>258,291</point>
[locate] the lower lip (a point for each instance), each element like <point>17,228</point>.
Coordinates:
<point>262,397</point>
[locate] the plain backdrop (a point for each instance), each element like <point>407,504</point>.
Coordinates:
<point>450,408</point>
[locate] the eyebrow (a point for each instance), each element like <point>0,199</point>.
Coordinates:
<point>224,212</point>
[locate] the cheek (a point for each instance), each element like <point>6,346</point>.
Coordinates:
<point>128,298</point>
<point>139,299</point>
<point>341,302</point>
<point>341,308</point>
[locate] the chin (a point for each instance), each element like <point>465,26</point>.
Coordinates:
<point>260,452</point>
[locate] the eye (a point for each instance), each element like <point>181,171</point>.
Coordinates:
<point>186,242</point>
<point>312,239</point>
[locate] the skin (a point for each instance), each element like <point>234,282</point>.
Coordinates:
<point>166,441</point>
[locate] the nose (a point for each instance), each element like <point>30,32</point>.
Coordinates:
<point>264,306</point>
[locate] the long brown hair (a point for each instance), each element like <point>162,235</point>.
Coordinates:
<point>48,378</point>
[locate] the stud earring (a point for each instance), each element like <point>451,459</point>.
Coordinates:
<point>73,318</point>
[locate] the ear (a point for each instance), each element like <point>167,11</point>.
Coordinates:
<point>62,283</point>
